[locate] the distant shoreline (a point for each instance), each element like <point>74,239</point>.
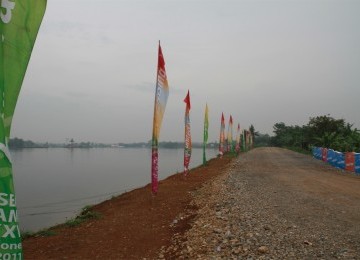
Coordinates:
<point>164,145</point>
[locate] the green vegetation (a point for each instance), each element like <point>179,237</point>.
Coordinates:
<point>17,143</point>
<point>41,233</point>
<point>262,140</point>
<point>322,131</point>
<point>86,213</point>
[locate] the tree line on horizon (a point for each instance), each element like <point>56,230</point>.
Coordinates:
<point>19,143</point>
<point>321,131</point>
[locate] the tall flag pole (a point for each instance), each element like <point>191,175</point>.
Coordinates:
<point>230,134</point>
<point>206,133</point>
<point>161,96</point>
<point>237,148</point>
<point>222,135</point>
<point>19,25</point>
<point>187,146</point>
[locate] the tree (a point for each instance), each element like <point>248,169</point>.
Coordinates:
<point>324,131</point>
<point>253,132</point>
<point>320,125</point>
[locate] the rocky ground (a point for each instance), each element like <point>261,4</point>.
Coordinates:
<point>273,204</point>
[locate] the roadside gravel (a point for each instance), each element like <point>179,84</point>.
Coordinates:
<point>272,203</point>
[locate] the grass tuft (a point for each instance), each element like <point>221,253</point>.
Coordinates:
<point>86,213</point>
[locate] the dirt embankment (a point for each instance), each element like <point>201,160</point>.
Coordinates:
<point>134,225</point>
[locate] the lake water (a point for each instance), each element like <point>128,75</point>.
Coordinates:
<point>52,185</point>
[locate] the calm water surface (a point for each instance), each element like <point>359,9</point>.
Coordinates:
<point>52,185</point>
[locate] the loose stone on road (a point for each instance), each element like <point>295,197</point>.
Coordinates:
<point>273,203</point>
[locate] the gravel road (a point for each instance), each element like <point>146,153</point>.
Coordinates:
<point>273,203</point>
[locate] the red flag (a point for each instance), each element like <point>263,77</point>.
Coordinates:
<point>161,61</point>
<point>187,101</point>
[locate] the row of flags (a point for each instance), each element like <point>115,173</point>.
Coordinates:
<point>19,25</point>
<point>244,139</point>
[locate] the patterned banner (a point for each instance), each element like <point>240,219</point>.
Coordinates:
<point>161,96</point>
<point>187,146</point>
<point>251,140</point>
<point>230,135</point>
<point>243,141</point>
<point>19,25</point>
<point>247,140</point>
<point>222,136</point>
<point>206,133</point>
<point>237,148</point>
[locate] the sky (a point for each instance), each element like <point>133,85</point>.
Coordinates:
<point>92,73</point>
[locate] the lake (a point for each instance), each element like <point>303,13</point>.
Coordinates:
<point>53,185</point>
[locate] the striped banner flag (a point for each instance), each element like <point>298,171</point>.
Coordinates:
<point>237,147</point>
<point>206,132</point>
<point>222,136</point>
<point>161,96</point>
<point>230,135</point>
<point>187,146</point>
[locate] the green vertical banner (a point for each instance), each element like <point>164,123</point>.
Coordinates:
<point>222,136</point>
<point>19,24</point>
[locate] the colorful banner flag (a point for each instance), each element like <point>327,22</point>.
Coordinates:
<point>243,141</point>
<point>247,140</point>
<point>19,25</point>
<point>237,148</point>
<point>161,96</point>
<point>222,136</point>
<point>230,135</point>
<point>206,132</point>
<point>251,140</point>
<point>187,146</point>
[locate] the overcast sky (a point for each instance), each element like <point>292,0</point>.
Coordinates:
<point>92,73</point>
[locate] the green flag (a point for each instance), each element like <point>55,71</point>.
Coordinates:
<point>19,24</point>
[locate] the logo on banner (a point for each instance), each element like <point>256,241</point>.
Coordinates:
<point>6,10</point>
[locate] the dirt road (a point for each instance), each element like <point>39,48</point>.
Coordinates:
<point>276,204</point>
<point>269,203</point>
